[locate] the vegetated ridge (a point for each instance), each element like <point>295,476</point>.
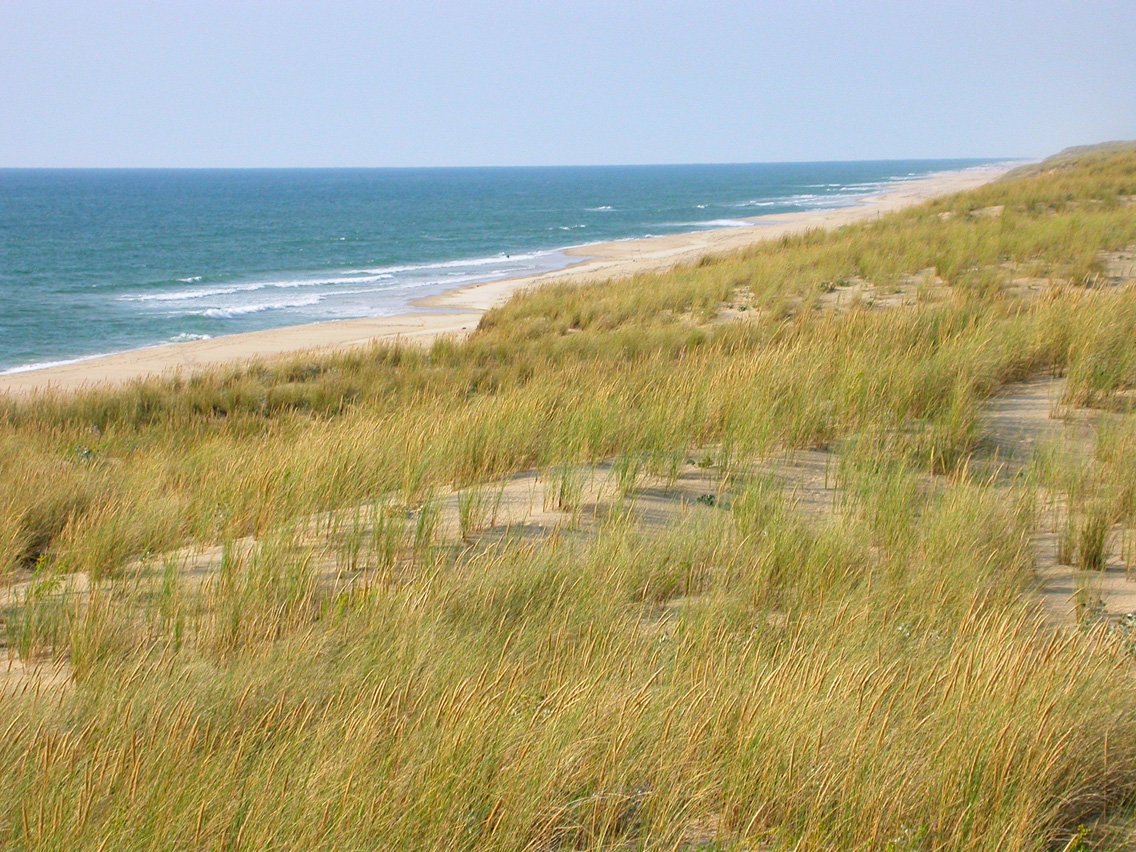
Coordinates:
<point>823,544</point>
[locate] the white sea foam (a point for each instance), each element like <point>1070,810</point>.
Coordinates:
<point>188,337</point>
<point>812,200</point>
<point>450,268</point>
<point>190,279</point>
<point>244,310</point>
<point>451,264</point>
<point>603,208</point>
<point>716,223</point>
<point>43,365</point>
<point>188,295</point>
<point>181,295</point>
<point>849,194</point>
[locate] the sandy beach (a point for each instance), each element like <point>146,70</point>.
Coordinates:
<point>457,312</point>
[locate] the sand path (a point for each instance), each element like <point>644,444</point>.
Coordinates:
<point>1021,419</point>
<point>575,502</point>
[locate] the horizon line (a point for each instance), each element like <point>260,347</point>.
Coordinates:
<point>984,159</point>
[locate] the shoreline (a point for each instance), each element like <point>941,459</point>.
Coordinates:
<point>456,312</point>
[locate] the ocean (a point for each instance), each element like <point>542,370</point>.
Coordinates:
<point>101,261</point>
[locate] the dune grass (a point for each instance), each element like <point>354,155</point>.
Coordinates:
<point>748,677</point>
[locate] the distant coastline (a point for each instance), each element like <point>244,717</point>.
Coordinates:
<point>105,261</point>
<point>456,310</point>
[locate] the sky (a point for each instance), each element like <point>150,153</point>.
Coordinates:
<point>235,83</point>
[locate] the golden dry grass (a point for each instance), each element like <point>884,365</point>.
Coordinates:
<point>745,675</point>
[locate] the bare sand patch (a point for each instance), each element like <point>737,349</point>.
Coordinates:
<point>1023,418</point>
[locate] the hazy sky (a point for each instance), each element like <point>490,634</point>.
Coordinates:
<point>458,82</point>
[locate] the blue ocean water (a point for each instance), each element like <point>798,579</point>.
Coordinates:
<point>97,261</point>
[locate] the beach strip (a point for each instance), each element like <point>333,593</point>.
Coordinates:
<point>457,312</point>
